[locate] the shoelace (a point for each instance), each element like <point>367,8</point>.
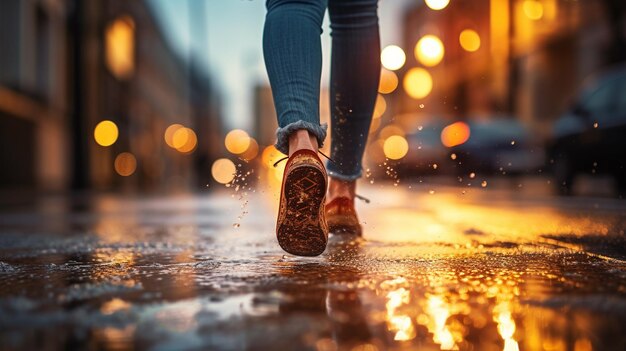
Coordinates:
<point>362,198</point>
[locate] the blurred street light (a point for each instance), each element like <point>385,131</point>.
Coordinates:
<point>429,50</point>
<point>237,141</point>
<point>392,57</point>
<point>251,152</point>
<point>388,82</point>
<point>437,4</point>
<point>395,147</point>
<point>120,47</point>
<point>184,140</point>
<point>106,133</point>
<point>418,83</point>
<point>533,9</point>
<point>455,134</point>
<point>469,40</point>
<point>169,134</point>
<point>125,164</point>
<point>223,170</point>
<point>380,107</point>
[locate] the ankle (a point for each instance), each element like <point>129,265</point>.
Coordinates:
<point>302,139</point>
<point>341,188</point>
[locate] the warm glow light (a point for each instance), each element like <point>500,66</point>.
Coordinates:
<point>429,50</point>
<point>401,324</point>
<point>251,152</point>
<point>380,107</point>
<point>417,83</point>
<point>169,134</point>
<point>396,147</point>
<point>105,133</point>
<point>125,164</point>
<point>184,140</point>
<point>439,311</point>
<point>388,82</point>
<point>392,57</point>
<point>390,131</point>
<point>120,47</point>
<point>437,4</point>
<point>469,40</point>
<point>223,170</point>
<point>455,134</point>
<point>533,9</point>
<point>237,141</point>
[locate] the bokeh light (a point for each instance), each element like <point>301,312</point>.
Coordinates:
<point>429,50</point>
<point>251,152</point>
<point>395,147</point>
<point>392,57</point>
<point>169,134</point>
<point>437,4</point>
<point>469,40</point>
<point>120,47</point>
<point>417,83</point>
<point>223,170</point>
<point>184,140</point>
<point>388,82</point>
<point>105,133</point>
<point>125,164</point>
<point>390,131</point>
<point>237,141</point>
<point>455,134</point>
<point>533,9</point>
<point>380,107</point>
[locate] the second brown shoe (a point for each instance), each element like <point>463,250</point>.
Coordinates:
<point>341,217</point>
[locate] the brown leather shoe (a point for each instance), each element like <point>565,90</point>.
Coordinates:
<point>341,217</point>
<point>301,227</point>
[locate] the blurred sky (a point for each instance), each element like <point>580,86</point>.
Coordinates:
<point>229,44</point>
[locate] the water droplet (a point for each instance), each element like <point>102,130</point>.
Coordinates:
<point>420,127</point>
<point>484,184</point>
<point>431,192</point>
<point>472,175</point>
<point>453,156</point>
<point>513,142</point>
<point>236,225</point>
<point>595,125</point>
<point>421,105</point>
<point>434,166</point>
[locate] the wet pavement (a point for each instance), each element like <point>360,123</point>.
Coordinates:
<point>438,269</point>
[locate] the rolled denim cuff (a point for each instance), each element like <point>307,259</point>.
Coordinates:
<point>336,175</point>
<point>282,134</point>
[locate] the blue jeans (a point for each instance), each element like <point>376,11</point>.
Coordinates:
<point>293,58</point>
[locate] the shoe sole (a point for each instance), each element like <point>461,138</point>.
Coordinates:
<point>302,230</point>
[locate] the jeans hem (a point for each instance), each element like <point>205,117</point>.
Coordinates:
<point>282,134</point>
<point>347,178</point>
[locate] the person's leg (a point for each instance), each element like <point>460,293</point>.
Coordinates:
<point>355,71</point>
<point>293,58</point>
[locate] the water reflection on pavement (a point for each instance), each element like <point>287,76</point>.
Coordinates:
<point>446,271</point>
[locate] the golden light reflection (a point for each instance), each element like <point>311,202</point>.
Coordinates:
<point>392,57</point>
<point>417,83</point>
<point>237,141</point>
<point>437,4</point>
<point>251,152</point>
<point>184,140</point>
<point>438,309</point>
<point>455,134</point>
<point>397,322</point>
<point>120,47</point>
<point>503,317</point>
<point>380,107</point>
<point>388,82</point>
<point>125,164</point>
<point>106,133</point>
<point>469,40</point>
<point>114,305</point>
<point>223,170</point>
<point>396,147</point>
<point>169,134</point>
<point>429,50</point>
<point>533,9</point>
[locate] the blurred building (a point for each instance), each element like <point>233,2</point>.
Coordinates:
<point>523,58</point>
<point>71,64</point>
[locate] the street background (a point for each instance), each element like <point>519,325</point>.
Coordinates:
<point>138,193</point>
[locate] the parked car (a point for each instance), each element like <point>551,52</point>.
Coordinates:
<point>591,136</point>
<point>500,144</point>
